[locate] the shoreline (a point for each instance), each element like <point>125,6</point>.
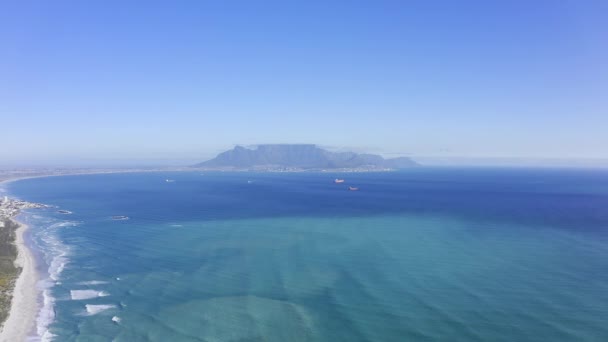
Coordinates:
<point>21,321</point>
<point>24,304</point>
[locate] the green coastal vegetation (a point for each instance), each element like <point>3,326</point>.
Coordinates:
<point>8,271</point>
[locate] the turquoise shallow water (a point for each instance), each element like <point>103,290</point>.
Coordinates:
<point>423,255</point>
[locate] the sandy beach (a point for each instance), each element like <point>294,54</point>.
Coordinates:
<point>24,305</point>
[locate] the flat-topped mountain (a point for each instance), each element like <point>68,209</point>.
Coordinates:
<point>301,156</point>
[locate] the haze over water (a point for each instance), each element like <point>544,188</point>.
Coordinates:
<point>420,255</point>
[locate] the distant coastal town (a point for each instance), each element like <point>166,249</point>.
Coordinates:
<point>21,173</point>
<point>11,207</point>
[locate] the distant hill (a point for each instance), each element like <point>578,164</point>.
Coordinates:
<point>301,156</point>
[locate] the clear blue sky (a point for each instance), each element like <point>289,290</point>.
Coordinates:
<point>185,79</point>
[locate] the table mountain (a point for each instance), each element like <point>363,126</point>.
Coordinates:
<point>302,156</point>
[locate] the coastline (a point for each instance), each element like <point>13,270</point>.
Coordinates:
<point>24,306</point>
<point>21,320</point>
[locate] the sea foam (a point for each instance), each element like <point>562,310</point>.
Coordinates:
<point>92,282</point>
<point>45,316</point>
<point>87,294</point>
<point>55,253</point>
<point>97,308</point>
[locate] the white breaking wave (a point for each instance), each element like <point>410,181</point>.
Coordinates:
<point>47,337</point>
<point>57,266</point>
<point>46,316</point>
<point>65,224</point>
<point>87,294</point>
<point>92,282</point>
<point>95,309</point>
<point>55,254</point>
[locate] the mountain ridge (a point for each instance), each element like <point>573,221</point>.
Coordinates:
<point>301,156</point>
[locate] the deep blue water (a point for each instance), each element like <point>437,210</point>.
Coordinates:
<point>421,255</point>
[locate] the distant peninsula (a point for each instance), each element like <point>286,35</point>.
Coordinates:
<point>301,157</point>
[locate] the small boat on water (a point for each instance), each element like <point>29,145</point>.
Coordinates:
<point>65,212</point>
<point>120,218</point>
<point>169,180</point>
<point>352,188</point>
<point>338,180</point>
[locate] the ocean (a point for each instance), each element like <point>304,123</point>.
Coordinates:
<point>426,254</point>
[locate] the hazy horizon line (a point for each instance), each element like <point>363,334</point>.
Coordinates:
<point>424,160</point>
